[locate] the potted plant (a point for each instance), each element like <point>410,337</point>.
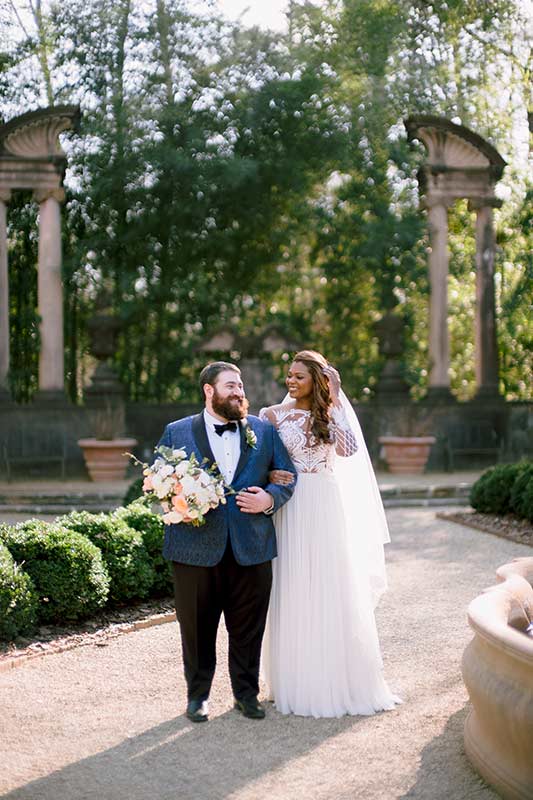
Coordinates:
<point>104,454</point>
<point>407,451</point>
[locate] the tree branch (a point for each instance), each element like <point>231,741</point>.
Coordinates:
<point>42,55</point>
<point>497,47</point>
<point>14,9</point>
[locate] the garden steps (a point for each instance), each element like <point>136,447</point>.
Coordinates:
<point>59,497</point>
<point>428,489</point>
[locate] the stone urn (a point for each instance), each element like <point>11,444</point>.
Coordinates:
<point>390,331</point>
<point>105,459</point>
<point>497,669</point>
<point>406,454</point>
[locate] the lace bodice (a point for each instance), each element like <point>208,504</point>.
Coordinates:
<point>307,453</point>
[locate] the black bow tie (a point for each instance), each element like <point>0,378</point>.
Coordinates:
<point>229,426</point>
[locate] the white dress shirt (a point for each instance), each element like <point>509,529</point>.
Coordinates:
<point>226,448</point>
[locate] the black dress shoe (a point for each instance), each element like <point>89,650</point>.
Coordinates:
<point>197,711</point>
<point>250,708</point>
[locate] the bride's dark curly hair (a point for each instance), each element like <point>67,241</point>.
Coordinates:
<point>321,398</point>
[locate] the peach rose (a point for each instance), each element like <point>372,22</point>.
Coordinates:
<point>179,503</point>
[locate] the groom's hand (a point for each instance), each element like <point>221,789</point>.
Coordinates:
<point>254,500</point>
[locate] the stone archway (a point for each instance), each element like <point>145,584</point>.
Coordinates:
<point>460,164</point>
<point>31,158</point>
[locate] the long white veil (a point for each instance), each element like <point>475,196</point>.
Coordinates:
<point>365,515</point>
<point>363,508</point>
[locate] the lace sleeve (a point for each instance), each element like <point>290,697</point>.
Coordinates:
<point>343,436</point>
<point>267,415</point>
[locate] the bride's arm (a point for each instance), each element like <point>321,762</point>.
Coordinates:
<point>267,415</point>
<point>343,436</point>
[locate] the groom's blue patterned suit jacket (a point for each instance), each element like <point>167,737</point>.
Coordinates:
<point>252,536</point>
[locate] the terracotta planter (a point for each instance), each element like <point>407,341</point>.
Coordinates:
<point>406,454</point>
<point>498,673</point>
<point>105,459</point>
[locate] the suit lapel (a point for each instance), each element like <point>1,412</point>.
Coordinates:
<point>245,451</point>
<point>200,437</point>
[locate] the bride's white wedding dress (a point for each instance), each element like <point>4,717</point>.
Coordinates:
<point>321,654</point>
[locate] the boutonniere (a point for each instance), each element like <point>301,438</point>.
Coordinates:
<point>249,435</point>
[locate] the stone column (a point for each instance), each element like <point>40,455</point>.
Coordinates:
<point>5,196</point>
<point>50,295</point>
<point>487,373</point>
<point>439,340</point>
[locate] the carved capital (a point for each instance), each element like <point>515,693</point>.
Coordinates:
<point>41,195</point>
<point>431,201</point>
<point>36,133</point>
<point>477,203</point>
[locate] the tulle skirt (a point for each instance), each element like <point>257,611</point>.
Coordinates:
<point>321,654</point>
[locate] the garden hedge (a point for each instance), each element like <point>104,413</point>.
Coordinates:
<point>522,493</point>
<point>504,489</point>
<point>18,598</point>
<point>125,556</point>
<point>66,569</point>
<point>138,515</point>
<point>492,492</point>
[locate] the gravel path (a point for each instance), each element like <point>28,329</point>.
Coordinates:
<point>107,722</point>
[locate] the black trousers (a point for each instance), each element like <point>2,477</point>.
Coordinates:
<point>201,595</point>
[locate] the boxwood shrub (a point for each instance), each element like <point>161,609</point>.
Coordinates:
<point>522,493</point>
<point>66,569</point>
<point>18,598</point>
<point>125,556</point>
<point>492,492</point>
<point>139,516</point>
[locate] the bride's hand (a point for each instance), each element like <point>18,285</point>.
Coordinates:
<point>280,476</point>
<point>334,380</point>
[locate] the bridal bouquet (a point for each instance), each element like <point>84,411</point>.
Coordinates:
<point>185,489</point>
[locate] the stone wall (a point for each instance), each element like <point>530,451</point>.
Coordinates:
<point>41,439</point>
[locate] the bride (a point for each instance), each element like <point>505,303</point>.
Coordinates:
<point>321,653</point>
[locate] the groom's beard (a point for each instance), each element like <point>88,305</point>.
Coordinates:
<point>229,407</point>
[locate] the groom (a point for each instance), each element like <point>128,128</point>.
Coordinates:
<point>225,565</point>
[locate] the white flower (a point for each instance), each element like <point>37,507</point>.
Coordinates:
<point>162,486</point>
<point>179,453</point>
<point>189,484</point>
<point>162,491</point>
<point>166,470</point>
<point>205,479</point>
<point>200,493</point>
<point>173,517</point>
